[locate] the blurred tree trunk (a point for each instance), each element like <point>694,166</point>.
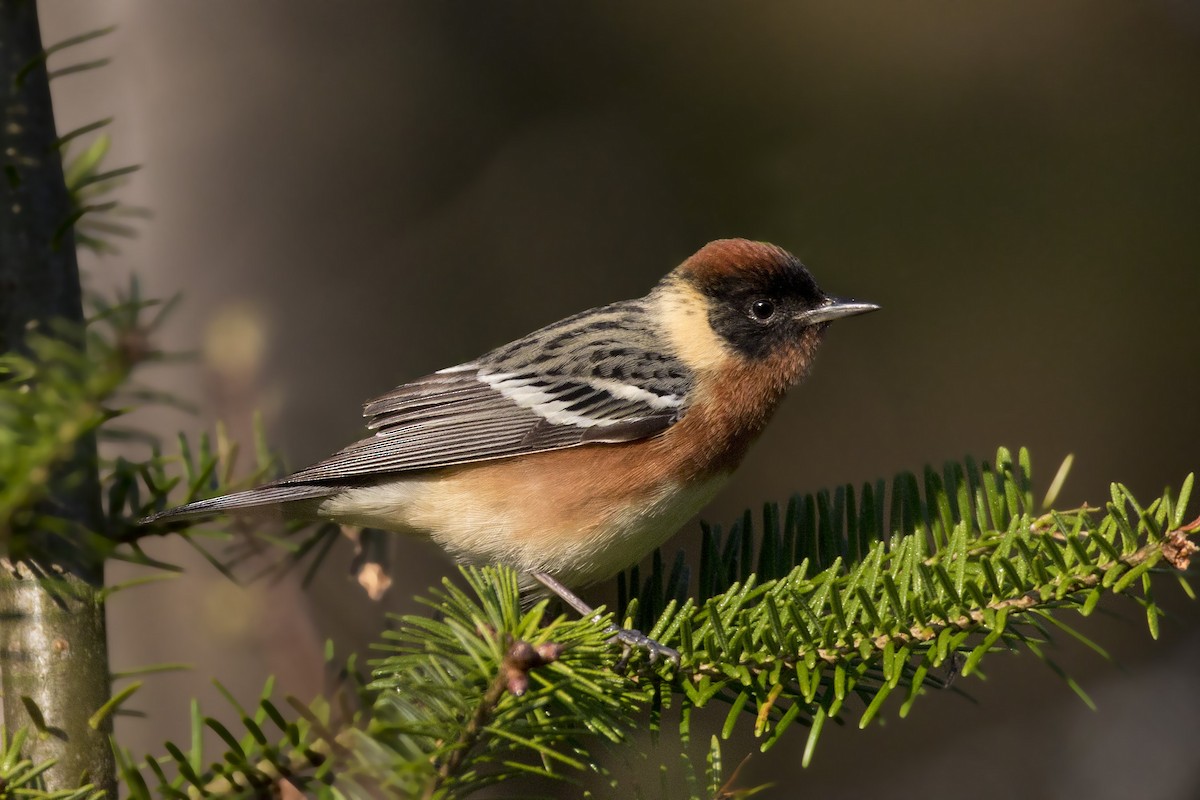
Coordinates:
<point>53,645</point>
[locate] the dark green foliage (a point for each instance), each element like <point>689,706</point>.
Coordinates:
<point>96,215</point>
<point>19,777</point>
<point>527,719</point>
<point>57,393</point>
<point>824,609</point>
<point>821,609</point>
<point>967,568</point>
<point>296,744</point>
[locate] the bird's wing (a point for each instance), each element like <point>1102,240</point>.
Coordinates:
<point>474,413</point>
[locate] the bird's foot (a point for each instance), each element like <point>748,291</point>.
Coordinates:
<point>630,639</point>
<point>627,637</point>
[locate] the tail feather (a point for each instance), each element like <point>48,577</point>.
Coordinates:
<point>251,498</point>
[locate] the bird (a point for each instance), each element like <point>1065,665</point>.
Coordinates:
<point>574,451</point>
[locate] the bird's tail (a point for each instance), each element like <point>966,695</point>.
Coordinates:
<point>251,498</point>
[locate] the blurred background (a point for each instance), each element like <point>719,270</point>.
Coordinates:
<point>351,196</point>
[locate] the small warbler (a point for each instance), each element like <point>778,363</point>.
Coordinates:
<point>571,453</point>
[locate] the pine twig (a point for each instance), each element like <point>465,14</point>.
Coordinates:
<point>511,678</point>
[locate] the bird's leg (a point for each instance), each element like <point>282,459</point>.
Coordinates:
<point>626,636</point>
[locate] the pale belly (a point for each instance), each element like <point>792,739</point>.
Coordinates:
<point>578,531</point>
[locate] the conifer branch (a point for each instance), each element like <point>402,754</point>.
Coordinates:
<point>484,691</point>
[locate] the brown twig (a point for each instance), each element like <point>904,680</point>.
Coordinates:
<point>513,678</point>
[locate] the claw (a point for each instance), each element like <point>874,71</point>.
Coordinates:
<point>631,638</point>
<point>628,637</point>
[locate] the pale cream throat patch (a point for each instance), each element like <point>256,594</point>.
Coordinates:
<point>685,316</point>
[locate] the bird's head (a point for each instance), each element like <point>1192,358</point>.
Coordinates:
<point>758,299</point>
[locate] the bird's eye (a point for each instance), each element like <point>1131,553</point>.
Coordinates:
<point>762,310</point>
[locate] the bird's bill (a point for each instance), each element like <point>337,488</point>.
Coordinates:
<point>834,309</point>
